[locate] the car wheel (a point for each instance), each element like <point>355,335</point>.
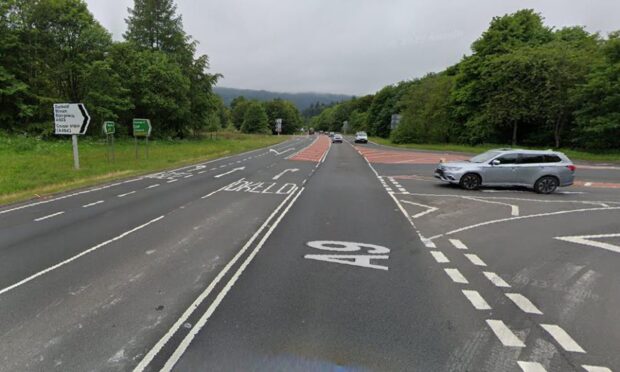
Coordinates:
<point>470,181</point>
<point>546,185</point>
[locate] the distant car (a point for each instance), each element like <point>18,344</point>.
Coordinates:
<point>543,171</point>
<point>337,138</point>
<point>331,134</point>
<point>361,137</point>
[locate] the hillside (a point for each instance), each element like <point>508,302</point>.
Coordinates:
<point>301,100</point>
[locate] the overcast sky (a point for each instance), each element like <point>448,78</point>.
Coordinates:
<point>346,46</point>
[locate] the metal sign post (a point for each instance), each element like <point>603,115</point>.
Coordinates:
<point>142,128</point>
<point>71,119</point>
<point>109,128</point>
<point>278,126</point>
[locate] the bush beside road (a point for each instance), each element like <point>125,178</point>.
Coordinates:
<point>31,168</point>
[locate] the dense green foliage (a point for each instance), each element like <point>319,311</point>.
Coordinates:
<point>524,83</point>
<point>275,109</point>
<point>302,101</point>
<point>55,51</point>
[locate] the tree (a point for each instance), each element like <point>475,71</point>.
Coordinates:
<point>255,119</point>
<point>285,110</point>
<point>238,107</point>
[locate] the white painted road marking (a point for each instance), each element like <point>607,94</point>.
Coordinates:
<point>429,209</point>
<point>125,194</point>
<point>90,250</point>
<point>92,204</point>
<point>595,368</point>
<point>174,180</point>
<point>282,152</point>
<point>531,366</point>
<point>588,240</point>
<point>375,252</point>
<point>292,170</point>
<point>440,257</point>
<point>153,186</point>
<point>504,334</point>
<point>189,175</point>
<point>458,244</point>
<point>205,317</point>
<point>476,300</point>
<point>496,279</point>
<point>514,209</point>
<point>229,172</point>
<point>562,338</point>
<point>456,276</point>
<point>48,216</point>
<point>474,259</point>
<point>523,303</point>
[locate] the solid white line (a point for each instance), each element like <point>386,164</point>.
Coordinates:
<point>125,194</point>
<point>188,312</point>
<point>153,186</point>
<point>562,338</point>
<point>496,279</point>
<point>595,368</point>
<point>222,188</point>
<point>523,303</point>
<point>476,300</point>
<point>474,259</point>
<point>531,366</point>
<point>504,334</point>
<point>514,209</point>
<point>440,257</point>
<point>92,204</point>
<point>90,250</point>
<point>458,244</point>
<point>456,276</point>
<point>205,317</point>
<point>587,240</point>
<point>429,209</point>
<point>48,216</point>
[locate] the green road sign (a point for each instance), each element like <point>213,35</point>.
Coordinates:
<point>141,127</point>
<point>109,127</point>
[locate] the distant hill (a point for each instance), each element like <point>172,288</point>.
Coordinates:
<point>301,100</point>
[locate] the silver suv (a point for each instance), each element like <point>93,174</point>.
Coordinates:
<point>544,171</point>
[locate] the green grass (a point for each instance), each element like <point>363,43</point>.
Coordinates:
<point>603,156</point>
<point>31,168</point>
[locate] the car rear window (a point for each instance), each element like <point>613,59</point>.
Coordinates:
<point>552,159</point>
<point>532,158</point>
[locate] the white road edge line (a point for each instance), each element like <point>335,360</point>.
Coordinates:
<point>474,259</point>
<point>440,257</point>
<point>504,334</point>
<point>456,276</point>
<point>69,260</point>
<point>92,204</point>
<point>205,317</point>
<point>531,366</point>
<point>563,338</point>
<point>496,279</point>
<point>458,244</point>
<point>48,216</point>
<point>188,312</point>
<point>523,303</point>
<point>476,300</point>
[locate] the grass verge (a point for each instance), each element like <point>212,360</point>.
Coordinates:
<point>608,156</point>
<point>31,168</point>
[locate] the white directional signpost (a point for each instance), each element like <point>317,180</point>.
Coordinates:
<point>71,119</point>
<point>142,128</point>
<point>278,126</point>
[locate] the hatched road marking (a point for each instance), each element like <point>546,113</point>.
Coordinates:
<point>456,276</point>
<point>562,338</point>
<point>523,303</point>
<point>440,257</point>
<point>504,334</point>
<point>476,300</point>
<point>496,279</point>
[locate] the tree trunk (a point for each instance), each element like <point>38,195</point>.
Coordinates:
<point>557,130</point>
<point>514,133</point>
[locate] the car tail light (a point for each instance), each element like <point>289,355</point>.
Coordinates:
<point>571,167</point>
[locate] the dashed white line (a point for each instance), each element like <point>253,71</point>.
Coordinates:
<point>562,338</point>
<point>531,366</point>
<point>595,368</point>
<point>48,216</point>
<point>201,172</point>
<point>458,244</point>
<point>189,175</point>
<point>504,334</point>
<point>496,279</point>
<point>153,186</point>
<point>474,259</point>
<point>125,194</point>
<point>456,276</point>
<point>43,272</point>
<point>174,180</point>
<point>523,303</point>
<point>92,204</point>
<point>476,300</point>
<point>440,257</point>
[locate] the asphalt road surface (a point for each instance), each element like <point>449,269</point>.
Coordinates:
<point>312,256</point>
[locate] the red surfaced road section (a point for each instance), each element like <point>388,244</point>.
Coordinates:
<point>405,157</point>
<point>315,151</point>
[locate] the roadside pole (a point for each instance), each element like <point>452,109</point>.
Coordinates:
<point>71,119</point>
<point>278,126</point>
<point>109,128</point>
<point>142,128</point>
